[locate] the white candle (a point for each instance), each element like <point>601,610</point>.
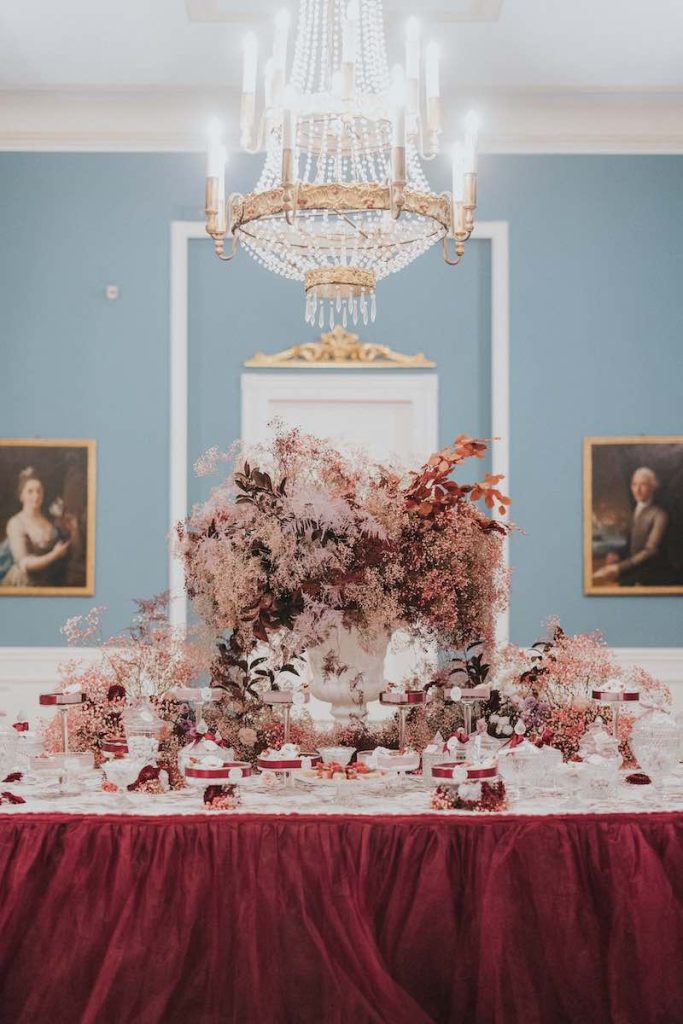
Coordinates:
<point>471,135</point>
<point>250,55</point>
<point>222,160</point>
<point>288,128</point>
<point>213,162</point>
<point>413,49</point>
<point>350,33</point>
<point>458,156</point>
<point>280,40</point>
<point>432,70</point>
<point>398,96</point>
<point>268,73</point>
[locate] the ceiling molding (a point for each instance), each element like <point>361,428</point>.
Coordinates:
<point>174,120</point>
<point>257,12</point>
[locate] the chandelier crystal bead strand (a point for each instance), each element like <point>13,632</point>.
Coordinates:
<point>343,200</point>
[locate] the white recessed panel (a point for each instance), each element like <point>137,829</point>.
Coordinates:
<point>392,414</point>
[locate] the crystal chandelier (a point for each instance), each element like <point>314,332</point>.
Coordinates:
<point>342,200</point>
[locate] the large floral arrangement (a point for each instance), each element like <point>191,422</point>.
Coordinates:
<point>300,538</point>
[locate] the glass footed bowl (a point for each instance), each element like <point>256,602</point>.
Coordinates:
<point>655,741</point>
<point>337,755</point>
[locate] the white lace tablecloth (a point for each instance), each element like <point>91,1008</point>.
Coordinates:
<point>410,797</point>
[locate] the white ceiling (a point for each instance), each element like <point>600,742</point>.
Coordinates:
<point>546,74</point>
<point>533,44</point>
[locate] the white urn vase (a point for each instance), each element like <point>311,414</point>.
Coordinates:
<point>346,674</point>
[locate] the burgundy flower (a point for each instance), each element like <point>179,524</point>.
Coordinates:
<point>14,777</point>
<point>116,692</point>
<point>147,774</point>
<point>639,779</point>
<point>12,798</point>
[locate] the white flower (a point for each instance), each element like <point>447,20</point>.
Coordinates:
<point>235,774</point>
<point>459,774</point>
<point>306,762</point>
<point>456,693</point>
<point>507,730</point>
<point>470,791</point>
<point>298,697</point>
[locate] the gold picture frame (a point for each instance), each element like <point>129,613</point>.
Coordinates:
<point>47,486</point>
<point>633,515</point>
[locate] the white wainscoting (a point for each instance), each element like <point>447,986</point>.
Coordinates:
<point>27,671</point>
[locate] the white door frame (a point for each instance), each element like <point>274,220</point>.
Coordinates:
<point>182,233</point>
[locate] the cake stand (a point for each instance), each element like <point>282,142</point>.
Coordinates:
<point>62,701</point>
<point>615,698</point>
<point>404,700</point>
<point>285,700</point>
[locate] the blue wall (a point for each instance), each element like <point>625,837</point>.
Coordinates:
<point>596,348</point>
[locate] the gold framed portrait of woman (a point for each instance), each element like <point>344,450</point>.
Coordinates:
<point>47,518</point>
<point>633,515</point>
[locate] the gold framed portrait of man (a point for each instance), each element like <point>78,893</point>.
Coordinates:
<point>47,518</point>
<point>633,515</point>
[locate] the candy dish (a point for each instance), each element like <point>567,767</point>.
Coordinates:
<point>337,772</point>
<point>338,755</point>
<point>390,760</point>
<point>121,771</point>
<point>206,745</point>
<point>287,758</point>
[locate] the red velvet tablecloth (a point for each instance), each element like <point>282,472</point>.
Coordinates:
<point>341,919</point>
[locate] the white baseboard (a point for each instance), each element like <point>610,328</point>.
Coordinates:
<point>25,672</point>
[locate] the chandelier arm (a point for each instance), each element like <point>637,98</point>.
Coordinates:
<point>459,251</point>
<point>218,248</point>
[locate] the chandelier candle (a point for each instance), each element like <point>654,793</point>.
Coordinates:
<point>342,200</point>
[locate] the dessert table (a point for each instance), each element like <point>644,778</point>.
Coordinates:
<point>294,909</point>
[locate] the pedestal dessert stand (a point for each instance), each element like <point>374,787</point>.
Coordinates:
<point>615,698</point>
<point>403,700</point>
<point>285,699</point>
<point>197,697</point>
<point>62,701</point>
<point>469,697</point>
<point>288,765</point>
